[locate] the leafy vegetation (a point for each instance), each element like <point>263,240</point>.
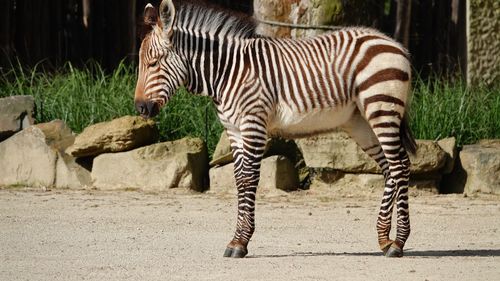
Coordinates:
<point>82,97</point>
<point>85,96</point>
<point>442,108</point>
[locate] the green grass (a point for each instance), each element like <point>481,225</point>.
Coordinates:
<point>442,109</point>
<point>81,97</point>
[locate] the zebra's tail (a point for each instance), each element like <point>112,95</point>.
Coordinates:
<point>406,136</point>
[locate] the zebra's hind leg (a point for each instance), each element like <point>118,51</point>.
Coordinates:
<point>388,129</point>
<point>403,212</point>
<point>248,155</point>
<point>361,132</point>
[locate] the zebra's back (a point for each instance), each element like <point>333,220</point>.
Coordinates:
<point>315,83</point>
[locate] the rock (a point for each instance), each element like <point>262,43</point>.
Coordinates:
<point>118,135</point>
<point>336,151</point>
<point>274,146</point>
<point>346,184</point>
<point>26,159</point>
<point>481,163</point>
<point>363,183</point>
<point>429,158</point>
<point>449,146</point>
<point>339,152</point>
<point>70,174</point>
<point>277,172</point>
<point>158,167</point>
<point>326,176</point>
<point>57,134</point>
<point>16,114</point>
<point>222,153</point>
<point>490,143</point>
<point>222,179</point>
<point>35,157</point>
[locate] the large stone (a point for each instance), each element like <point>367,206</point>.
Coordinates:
<point>118,135</point>
<point>222,153</point>
<point>490,143</point>
<point>158,167</point>
<point>16,114</point>
<point>276,172</point>
<point>339,152</point>
<point>359,183</point>
<point>26,159</point>
<point>481,163</point>
<point>362,183</point>
<point>222,179</point>
<point>336,151</point>
<point>449,146</point>
<point>70,174</point>
<point>57,134</point>
<point>429,159</point>
<point>274,146</point>
<point>35,157</point>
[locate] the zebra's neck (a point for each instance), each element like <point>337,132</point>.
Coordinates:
<point>209,40</point>
<point>209,63</point>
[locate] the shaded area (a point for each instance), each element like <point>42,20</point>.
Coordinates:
<point>408,253</point>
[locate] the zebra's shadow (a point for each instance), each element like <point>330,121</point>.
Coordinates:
<point>408,253</point>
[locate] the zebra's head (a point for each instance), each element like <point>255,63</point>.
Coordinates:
<point>161,69</point>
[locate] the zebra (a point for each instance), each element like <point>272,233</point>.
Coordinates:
<point>355,78</point>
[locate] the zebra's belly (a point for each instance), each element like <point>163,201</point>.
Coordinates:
<point>289,124</point>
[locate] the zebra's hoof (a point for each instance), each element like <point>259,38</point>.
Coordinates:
<point>237,252</point>
<point>228,252</point>
<point>394,252</point>
<point>386,246</point>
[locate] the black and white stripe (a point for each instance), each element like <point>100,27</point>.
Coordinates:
<point>355,78</point>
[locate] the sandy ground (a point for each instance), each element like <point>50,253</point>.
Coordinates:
<point>91,235</point>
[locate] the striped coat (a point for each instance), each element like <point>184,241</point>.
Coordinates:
<point>356,78</point>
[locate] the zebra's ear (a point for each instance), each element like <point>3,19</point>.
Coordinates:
<point>150,15</point>
<point>167,16</point>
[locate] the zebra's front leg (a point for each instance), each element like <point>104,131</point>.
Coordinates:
<point>248,157</point>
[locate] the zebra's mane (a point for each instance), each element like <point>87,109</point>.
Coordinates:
<point>203,20</point>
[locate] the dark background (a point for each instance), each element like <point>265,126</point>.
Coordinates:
<point>52,32</point>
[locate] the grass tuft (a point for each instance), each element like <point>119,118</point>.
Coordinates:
<point>443,109</point>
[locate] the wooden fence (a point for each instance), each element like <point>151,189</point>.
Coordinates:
<point>53,32</point>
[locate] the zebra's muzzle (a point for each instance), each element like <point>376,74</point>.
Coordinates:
<point>147,109</point>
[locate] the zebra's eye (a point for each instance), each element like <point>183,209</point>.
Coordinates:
<point>153,63</point>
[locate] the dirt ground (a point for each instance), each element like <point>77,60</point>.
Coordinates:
<point>308,235</point>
